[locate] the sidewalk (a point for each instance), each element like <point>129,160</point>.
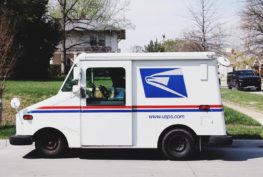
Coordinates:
<point>4,144</point>
<point>248,111</point>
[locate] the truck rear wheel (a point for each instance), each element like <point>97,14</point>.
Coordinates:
<point>50,144</point>
<point>178,144</point>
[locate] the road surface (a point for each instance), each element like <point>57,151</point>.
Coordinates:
<point>244,158</point>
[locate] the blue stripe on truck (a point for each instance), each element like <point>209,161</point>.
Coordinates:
<point>124,111</point>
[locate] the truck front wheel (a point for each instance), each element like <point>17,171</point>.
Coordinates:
<point>50,144</point>
<point>178,144</point>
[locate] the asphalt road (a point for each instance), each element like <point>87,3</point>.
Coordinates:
<point>244,158</point>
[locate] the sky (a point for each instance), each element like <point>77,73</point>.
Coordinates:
<point>154,18</point>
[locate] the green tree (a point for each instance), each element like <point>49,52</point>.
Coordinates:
<point>154,47</point>
<point>173,45</point>
<point>37,35</point>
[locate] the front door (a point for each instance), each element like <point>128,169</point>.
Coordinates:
<point>106,115</point>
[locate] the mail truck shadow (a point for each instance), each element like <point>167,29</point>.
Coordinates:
<point>108,154</point>
<point>226,154</point>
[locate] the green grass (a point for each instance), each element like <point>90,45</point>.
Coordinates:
<point>7,131</point>
<point>233,117</point>
<point>106,82</point>
<point>243,98</point>
<point>32,88</point>
<point>29,92</point>
<point>245,132</point>
<point>241,126</point>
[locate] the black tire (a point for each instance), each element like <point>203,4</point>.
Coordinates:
<point>50,144</point>
<point>229,87</point>
<point>178,144</point>
<point>238,87</point>
<point>258,88</point>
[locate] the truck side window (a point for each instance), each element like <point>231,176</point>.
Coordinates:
<point>105,86</point>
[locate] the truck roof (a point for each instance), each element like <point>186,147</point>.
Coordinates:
<point>147,56</point>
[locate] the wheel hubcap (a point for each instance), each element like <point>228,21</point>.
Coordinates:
<point>50,143</point>
<point>177,144</point>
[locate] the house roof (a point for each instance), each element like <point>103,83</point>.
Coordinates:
<point>86,25</point>
<point>90,25</point>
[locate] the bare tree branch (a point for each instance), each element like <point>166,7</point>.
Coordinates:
<point>252,24</point>
<point>207,30</point>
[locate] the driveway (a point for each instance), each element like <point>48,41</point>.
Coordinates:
<point>244,158</point>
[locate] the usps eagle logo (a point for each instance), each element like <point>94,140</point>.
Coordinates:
<point>163,82</point>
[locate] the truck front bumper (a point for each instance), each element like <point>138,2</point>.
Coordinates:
<point>21,140</point>
<point>220,140</point>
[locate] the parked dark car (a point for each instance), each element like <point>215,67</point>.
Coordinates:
<point>242,79</point>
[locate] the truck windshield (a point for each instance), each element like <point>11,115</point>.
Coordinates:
<point>67,87</point>
<point>245,73</point>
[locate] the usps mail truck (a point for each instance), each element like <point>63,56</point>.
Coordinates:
<point>169,101</point>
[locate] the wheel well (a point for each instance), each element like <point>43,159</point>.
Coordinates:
<point>178,126</point>
<point>45,130</point>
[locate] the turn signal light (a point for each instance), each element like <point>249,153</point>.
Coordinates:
<point>204,107</point>
<point>27,117</point>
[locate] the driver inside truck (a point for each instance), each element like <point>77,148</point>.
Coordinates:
<point>118,83</point>
<point>108,84</point>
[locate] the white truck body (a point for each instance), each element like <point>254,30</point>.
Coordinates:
<point>161,90</point>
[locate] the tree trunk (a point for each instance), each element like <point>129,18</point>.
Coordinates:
<point>63,24</point>
<point>63,57</point>
<point>1,105</point>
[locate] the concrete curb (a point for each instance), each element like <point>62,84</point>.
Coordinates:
<point>4,143</point>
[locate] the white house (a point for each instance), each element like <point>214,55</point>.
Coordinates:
<point>90,38</point>
<point>224,67</point>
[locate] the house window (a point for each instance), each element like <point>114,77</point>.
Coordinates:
<point>105,86</point>
<point>93,40</point>
<point>102,40</point>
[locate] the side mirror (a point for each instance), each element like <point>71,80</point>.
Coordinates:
<point>15,103</point>
<point>75,89</point>
<point>76,73</point>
